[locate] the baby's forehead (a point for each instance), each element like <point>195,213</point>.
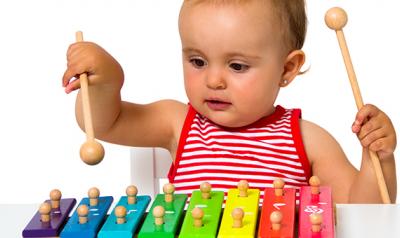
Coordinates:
<point>289,15</point>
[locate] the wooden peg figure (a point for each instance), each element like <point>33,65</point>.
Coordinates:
<point>131,193</point>
<point>237,215</point>
<point>314,183</point>
<point>83,212</point>
<point>243,186</point>
<point>205,189</point>
<point>120,213</point>
<point>276,220</point>
<point>93,195</point>
<point>316,222</point>
<point>278,186</point>
<point>158,213</point>
<point>197,214</point>
<point>169,190</point>
<point>44,210</point>
<point>55,197</point>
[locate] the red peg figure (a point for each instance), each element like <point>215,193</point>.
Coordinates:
<point>237,216</point>
<point>131,193</point>
<point>314,183</point>
<point>91,152</point>
<point>83,212</point>
<point>158,214</point>
<point>205,189</point>
<point>120,213</point>
<point>278,186</point>
<point>316,222</point>
<point>169,190</point>
<point>44,210</point>
<point>276,220</point>
<point>197,214</point>
<point>243,186</point>
<point>55,197</point>
<point>93,195</point>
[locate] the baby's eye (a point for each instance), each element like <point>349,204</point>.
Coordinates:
<point>198,63</point>
<point>239,67</point>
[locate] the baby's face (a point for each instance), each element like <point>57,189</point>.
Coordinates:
<point>233,60</point>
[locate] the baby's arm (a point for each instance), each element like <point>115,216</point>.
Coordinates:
<point>116,121</point>
<point>376,133</point>
<point>330,163</point>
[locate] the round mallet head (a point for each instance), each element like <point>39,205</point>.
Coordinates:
<point>336,18</point>
<point>91,152</point>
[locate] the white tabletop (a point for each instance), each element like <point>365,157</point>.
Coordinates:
<point>352,220</point>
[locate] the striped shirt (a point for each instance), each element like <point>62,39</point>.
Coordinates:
<point>259,153</point>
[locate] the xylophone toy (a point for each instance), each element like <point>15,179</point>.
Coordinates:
<point>167,218</point>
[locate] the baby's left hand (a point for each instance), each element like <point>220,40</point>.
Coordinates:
<point>375,131</point>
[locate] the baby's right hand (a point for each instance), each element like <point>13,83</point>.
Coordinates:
<point>90,58</point>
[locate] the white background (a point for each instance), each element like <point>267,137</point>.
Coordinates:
<point>39,139</point>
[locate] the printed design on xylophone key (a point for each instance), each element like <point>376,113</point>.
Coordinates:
<point>204,218</point>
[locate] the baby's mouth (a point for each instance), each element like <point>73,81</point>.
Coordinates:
<point>217,105</point>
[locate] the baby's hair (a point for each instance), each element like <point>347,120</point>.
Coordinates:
<point>291,14</point>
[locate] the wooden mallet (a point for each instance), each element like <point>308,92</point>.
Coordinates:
<point>336,19</point>
<point>91,152</point>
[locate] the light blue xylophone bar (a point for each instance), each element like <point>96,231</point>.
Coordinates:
<point>96,217</point>
<point>134,216</point>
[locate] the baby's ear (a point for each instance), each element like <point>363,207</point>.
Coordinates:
<point>293,63</point>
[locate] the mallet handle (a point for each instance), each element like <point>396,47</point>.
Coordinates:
<point>357,96</point>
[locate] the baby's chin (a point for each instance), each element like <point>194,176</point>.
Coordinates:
<point>227,119</point>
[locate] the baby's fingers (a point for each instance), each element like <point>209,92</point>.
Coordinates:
<point>73,85</point>
<point>371,137</point>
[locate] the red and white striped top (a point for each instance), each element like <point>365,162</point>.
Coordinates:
<point>259,153</point>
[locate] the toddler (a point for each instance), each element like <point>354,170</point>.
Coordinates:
<point>237,54</point>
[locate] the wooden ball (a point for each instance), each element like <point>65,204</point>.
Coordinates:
<point>158,211</point>
<point>82,210</point>
<point>45,208</point>
<point>55,194</point>
<point>314,181</point>
<point>243,185</point>
<point>205,187</point>
<point>316,222</point>
<point>197,213</point>
<point>336,18</point>
<point>91,152</point>
<point>131,190</point>
<point>279,183</point>
<point>120,211</point>
<point>237,213</point>
<point>168,188</point>
<point>276,217</point>
<point>93,192</point>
